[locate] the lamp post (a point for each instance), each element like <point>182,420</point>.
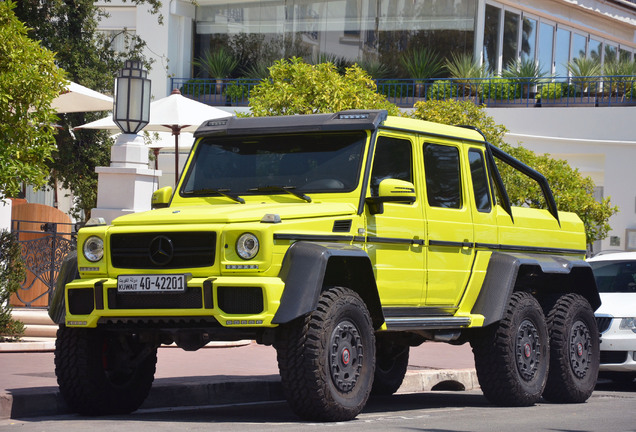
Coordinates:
<point>127,184</point>
<point>131,110</point>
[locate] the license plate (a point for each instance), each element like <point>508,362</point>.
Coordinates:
<point>151,283</point>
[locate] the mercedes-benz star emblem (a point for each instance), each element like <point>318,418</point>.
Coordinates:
<point>161,250</point>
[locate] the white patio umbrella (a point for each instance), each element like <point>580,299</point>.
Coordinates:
<point>174,113</point>
<point>78,98</point>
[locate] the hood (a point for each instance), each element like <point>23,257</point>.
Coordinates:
<point>619,305</point>
<point>227,213</point>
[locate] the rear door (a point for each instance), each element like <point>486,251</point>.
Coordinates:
<point>449,224</point>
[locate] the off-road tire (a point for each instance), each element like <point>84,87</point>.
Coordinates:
<point>327,358</point>
<point>89,373</point>
<point>391,362</point>
<point>512,356</point>
<point>574,350</point>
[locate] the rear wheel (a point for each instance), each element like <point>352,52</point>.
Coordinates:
<point>103,373</point>
<point>327,358</point>
<point>391,362</point>
<point>574,350</point>
<point>512,356</point>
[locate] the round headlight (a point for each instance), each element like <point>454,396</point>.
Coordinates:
<point>247,246</point>
<point>94,248</point>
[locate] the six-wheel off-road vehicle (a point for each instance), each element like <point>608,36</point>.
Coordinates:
<point>342,239</point>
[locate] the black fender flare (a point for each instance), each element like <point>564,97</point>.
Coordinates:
<point>504,270</point>
<point>309,267</point>
<point>68,273</point>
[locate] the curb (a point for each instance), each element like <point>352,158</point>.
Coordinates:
<point>28,345</point>
<point>180,392</point>
<point>48,344</point>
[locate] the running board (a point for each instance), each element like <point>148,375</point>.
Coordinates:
<point>428,323</point>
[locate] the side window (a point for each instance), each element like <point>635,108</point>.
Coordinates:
<point>393,159</point>
<point>480,180</point>
<point>443,181</point>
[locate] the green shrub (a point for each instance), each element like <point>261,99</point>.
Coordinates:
<point>441,90</point>
<point>502,89</point>
<point>12,273</point>
<point>236,92</point>
<point>630,94</point>
<point>552,91</point>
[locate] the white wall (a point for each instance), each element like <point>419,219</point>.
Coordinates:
<point>5,213</point>
<point>600,142</point>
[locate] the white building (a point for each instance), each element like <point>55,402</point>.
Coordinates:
<point>600,142</point>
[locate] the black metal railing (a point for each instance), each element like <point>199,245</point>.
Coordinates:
<point>492,92</point>
<point>44,246</point>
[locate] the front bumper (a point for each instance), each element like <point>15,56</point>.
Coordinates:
<point>235,301</point>
<point>618,348</point>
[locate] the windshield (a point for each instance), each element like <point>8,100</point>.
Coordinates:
<point>276,164</point>
<point>615,276</point>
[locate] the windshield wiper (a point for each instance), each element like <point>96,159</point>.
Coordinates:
<point>223,192</point>
<point>287,189</point>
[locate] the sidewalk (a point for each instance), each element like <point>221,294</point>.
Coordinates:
<point>211,376</point>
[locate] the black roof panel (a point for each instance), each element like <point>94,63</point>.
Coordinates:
<point>341,121</point>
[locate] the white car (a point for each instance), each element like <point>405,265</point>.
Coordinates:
<point>615,275</point>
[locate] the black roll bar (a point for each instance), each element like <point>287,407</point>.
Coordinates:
<point>519,166</point>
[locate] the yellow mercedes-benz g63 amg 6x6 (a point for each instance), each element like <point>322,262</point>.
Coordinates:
<point>342,240</point>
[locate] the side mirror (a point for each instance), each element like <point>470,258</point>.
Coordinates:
<point>161,197</point>
<point>391,190</point>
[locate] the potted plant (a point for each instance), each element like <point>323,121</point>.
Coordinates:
<point>618,79</point>
<point>218,64</point>
<point>421,65</point>
<point>527,73</point>
<point>467,73</point>
<point>585,75</point>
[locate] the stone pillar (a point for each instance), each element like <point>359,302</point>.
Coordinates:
<point>126,186</point>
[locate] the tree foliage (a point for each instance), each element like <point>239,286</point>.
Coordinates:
<point>69,28</point>
<point>29,81</point>
<point>571,190</point>
<point>296,87</point>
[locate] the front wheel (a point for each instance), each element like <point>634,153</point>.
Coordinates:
<point>103,373</point>
<point>327,358</point>
<point>512,356</point>
<point>574,350</point>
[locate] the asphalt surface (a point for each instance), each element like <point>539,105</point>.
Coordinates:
<point>214,375</point>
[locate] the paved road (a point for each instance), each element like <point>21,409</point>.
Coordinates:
<point>611,409</point>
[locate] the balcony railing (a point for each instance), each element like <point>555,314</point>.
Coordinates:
<point>492,92</point>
